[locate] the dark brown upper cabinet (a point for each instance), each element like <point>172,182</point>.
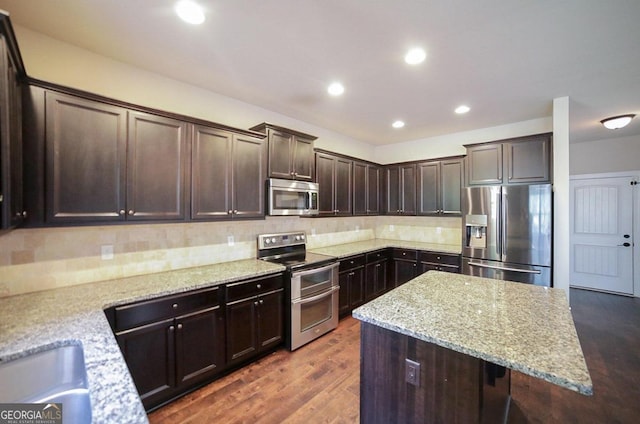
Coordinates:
<point>439,184</point>
<point>291,154</point>
<point>400,196</point>
<point>366,188</point>
<point>157,160</point>
<point>228,174</point>
<point>12,212</point>
<point>523,160</point>
<point>99,171</point>
<point>334,177</point>
<point>86,154</point>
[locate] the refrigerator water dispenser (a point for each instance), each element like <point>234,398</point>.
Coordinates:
<point>476,231</point>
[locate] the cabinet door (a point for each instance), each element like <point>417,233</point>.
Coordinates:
<point>249,174</point>
<point>528,161</point>
<point>242,327</point>
<point>392,190</point>
<point>357,293</point>
<point>199,345</point>
<point>408,190</point>
<point>149,352</point>
<point>403,271</point>
<point>156,162</point>
<point>360,188</point>
<point>429,198</point>
<point>484,164</point>
<point>270,319</point>
<point>325,170</point>
<point>342,187</point>
<point>85,157</point>
<point>451,173</point>
<point>373,189</point>
<point>11,178</point>
<point>303,158</point>
<point>280,154</point>
<point>344,296</point>
<point>375,279</point>
<point>211,173</point>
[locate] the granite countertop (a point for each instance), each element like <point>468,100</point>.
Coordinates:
<point>523,327</point>
<point>350,249</point>
<point>74,315</point>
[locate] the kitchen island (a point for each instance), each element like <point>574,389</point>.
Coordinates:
<point>464,334</point>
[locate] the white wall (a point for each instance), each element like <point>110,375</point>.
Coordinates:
<point>54,61</point>
<point>610,155</point>
<point>452,144</point>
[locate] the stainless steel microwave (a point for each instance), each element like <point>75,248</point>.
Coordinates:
<point>288,197</point>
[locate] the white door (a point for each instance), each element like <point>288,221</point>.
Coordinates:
<point>602,234</point>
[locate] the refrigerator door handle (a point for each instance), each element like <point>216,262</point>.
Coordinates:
<point>503,226</point>
<point>506,268</point>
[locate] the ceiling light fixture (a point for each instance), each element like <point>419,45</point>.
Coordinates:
<point>462,109</point>
<point>335,89</point>
<point>398,124</point>
<point>616,122</point>
<point>415,56</point>
<point>190,12</point>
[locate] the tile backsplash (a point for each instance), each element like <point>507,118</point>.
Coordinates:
<point>45,258</point>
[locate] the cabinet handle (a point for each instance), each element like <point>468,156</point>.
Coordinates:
<point>121,211</point>
<point>352,274</point>
<point>258,286</point>
<point>255,303</point>
<point>230,212</point>
<point>24,214</point>
<point>179,326</point>
<point>235,211</point>
<point>171,328</point>
<point>130,211</point>
<point>261,301</point>
<point>174,306</point>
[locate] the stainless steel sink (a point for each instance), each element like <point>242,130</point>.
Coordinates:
<point>53,376</point>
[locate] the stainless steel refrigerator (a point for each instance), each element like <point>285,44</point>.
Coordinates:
<point>506,232</point>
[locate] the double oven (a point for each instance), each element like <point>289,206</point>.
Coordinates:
<point>311,287</point>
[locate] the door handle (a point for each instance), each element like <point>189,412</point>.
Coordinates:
<point>625,244</point>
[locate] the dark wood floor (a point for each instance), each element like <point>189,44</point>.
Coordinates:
<point>319,383</point>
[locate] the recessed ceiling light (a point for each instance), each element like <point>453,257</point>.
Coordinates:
<point>190,12</point>
<point>415,56</point>
<point>335,89</point>
<point>462,109</point>
<point>398,124</point>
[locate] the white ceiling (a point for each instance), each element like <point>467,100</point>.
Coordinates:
<point>506,59</point>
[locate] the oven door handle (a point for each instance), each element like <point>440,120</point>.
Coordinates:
<point>322,295</point>
<point>315,270</point>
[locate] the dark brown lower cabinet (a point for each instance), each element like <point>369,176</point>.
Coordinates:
<point>168,357</point>
<point>453,387</point>
<point>376,277</point>
<point>405,265</point>
<point>434,261</point>
<point>254,318</point>
<point>351,277</point>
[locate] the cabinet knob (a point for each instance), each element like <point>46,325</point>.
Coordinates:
<point>438,257</point>
<point>24,214</point>
<point>235,211</point>
<point>258,286</point>
<point>130,211</point>
<point>174,306</point>
<point>18,214</point>
<point>171,328</point>
<point>351,262</point>
<point>179,326</point>
<point>121,212</point>
<point>230,212</point>
<point>404,253</point>
<point>261,301</point>
<point>255,303</point>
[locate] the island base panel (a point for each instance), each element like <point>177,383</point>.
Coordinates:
<point>454,387</point>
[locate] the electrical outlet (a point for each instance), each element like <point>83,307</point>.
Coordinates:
<point>230,241</point>
<point>106,252</point>
<point>412,372</point>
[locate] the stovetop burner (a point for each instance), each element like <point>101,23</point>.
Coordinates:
<point>289,249</point>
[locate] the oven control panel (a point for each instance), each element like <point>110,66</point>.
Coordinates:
<point>268,241</point>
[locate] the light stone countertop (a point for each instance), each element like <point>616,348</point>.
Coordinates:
<point>520,326</point>
<point>350,249</point>
<point>74,315</point>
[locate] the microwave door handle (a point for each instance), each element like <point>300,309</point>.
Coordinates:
<point>308,200</point>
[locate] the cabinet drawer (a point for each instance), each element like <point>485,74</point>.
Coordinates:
<point>408,254</point>
<point>351,262</point>
<point>440,258</point>
<point>254,287</point>
<point>380,255</point>
<point>140,313</point>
